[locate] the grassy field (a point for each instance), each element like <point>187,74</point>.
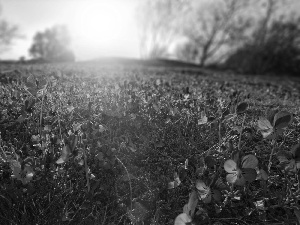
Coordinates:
<point>143,142</point>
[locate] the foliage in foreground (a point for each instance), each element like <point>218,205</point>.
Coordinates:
<point>109,146</point>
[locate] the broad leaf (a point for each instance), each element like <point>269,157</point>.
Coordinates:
<point>282,119</point>
<point>232,178</point>
<point>284,157</point>
<point>229,146</point>
<point>241,107</point>
<point>74,142</point>
<point>25,175</point>
<point>202,188</point>
<point>241,181</point>
<point>65,153</point>
<point>190,208</point>
<point>217,195</point>
<point>271,114</point>
<point>177,182</point>
<point>235,156</point>
<point>296,152</point>
<point>182,219</point>
<point>201,217</point>
<point>265,127</point>
<point>207,198</point>
<point>219,184</point>
<point>262,175</point>
<point>292,166</point>
<point>249,161</point>
<point>249,174</point>
<point>269,134</point>
<point>29,103</point>
<point>230,166</point>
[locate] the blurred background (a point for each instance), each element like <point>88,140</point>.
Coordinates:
<point>255,36</point>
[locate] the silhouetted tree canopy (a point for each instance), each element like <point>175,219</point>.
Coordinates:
<point>8,32</point>
<point>52,45</point>
<point>278,53</point>
<point>274,45</point>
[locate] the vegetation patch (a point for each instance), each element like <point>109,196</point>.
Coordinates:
<point>85,144</point>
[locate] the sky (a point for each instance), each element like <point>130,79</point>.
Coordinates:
<point>99,28</point>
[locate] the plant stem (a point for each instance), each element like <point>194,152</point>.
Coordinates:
<point>86,171</point>
<point>41,114</point>
<point>272,152</point>
<point>5,156</point>
<point>240,138</point>
<point>130,188</point>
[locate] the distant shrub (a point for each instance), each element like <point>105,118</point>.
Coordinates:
<point>52,45</point>
<point>279,53</point>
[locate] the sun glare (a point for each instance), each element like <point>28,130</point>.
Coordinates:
<point>98,28</point>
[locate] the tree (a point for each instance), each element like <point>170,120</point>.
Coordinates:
<point>52,45</point>
<point>214,26</point>
<point>274,44</point>
<point>8,32</point>
<point>278,51</point>
<point>157,23</point>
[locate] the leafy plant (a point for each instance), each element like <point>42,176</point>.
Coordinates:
<point>92,145</point>
<point>239,174</point>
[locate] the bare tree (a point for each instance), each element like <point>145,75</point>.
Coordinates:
<point>264,23</point>
<point>214,25</point>
<point>157,20</point>
<point>8,33</point>
<point>271,10</point>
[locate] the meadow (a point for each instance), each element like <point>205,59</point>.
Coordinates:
<point>86,143</point>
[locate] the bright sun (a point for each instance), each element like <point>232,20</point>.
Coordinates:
<point>100,28</point>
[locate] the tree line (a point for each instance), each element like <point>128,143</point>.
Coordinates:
<point>50,45</point>
<point>257,36</point>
